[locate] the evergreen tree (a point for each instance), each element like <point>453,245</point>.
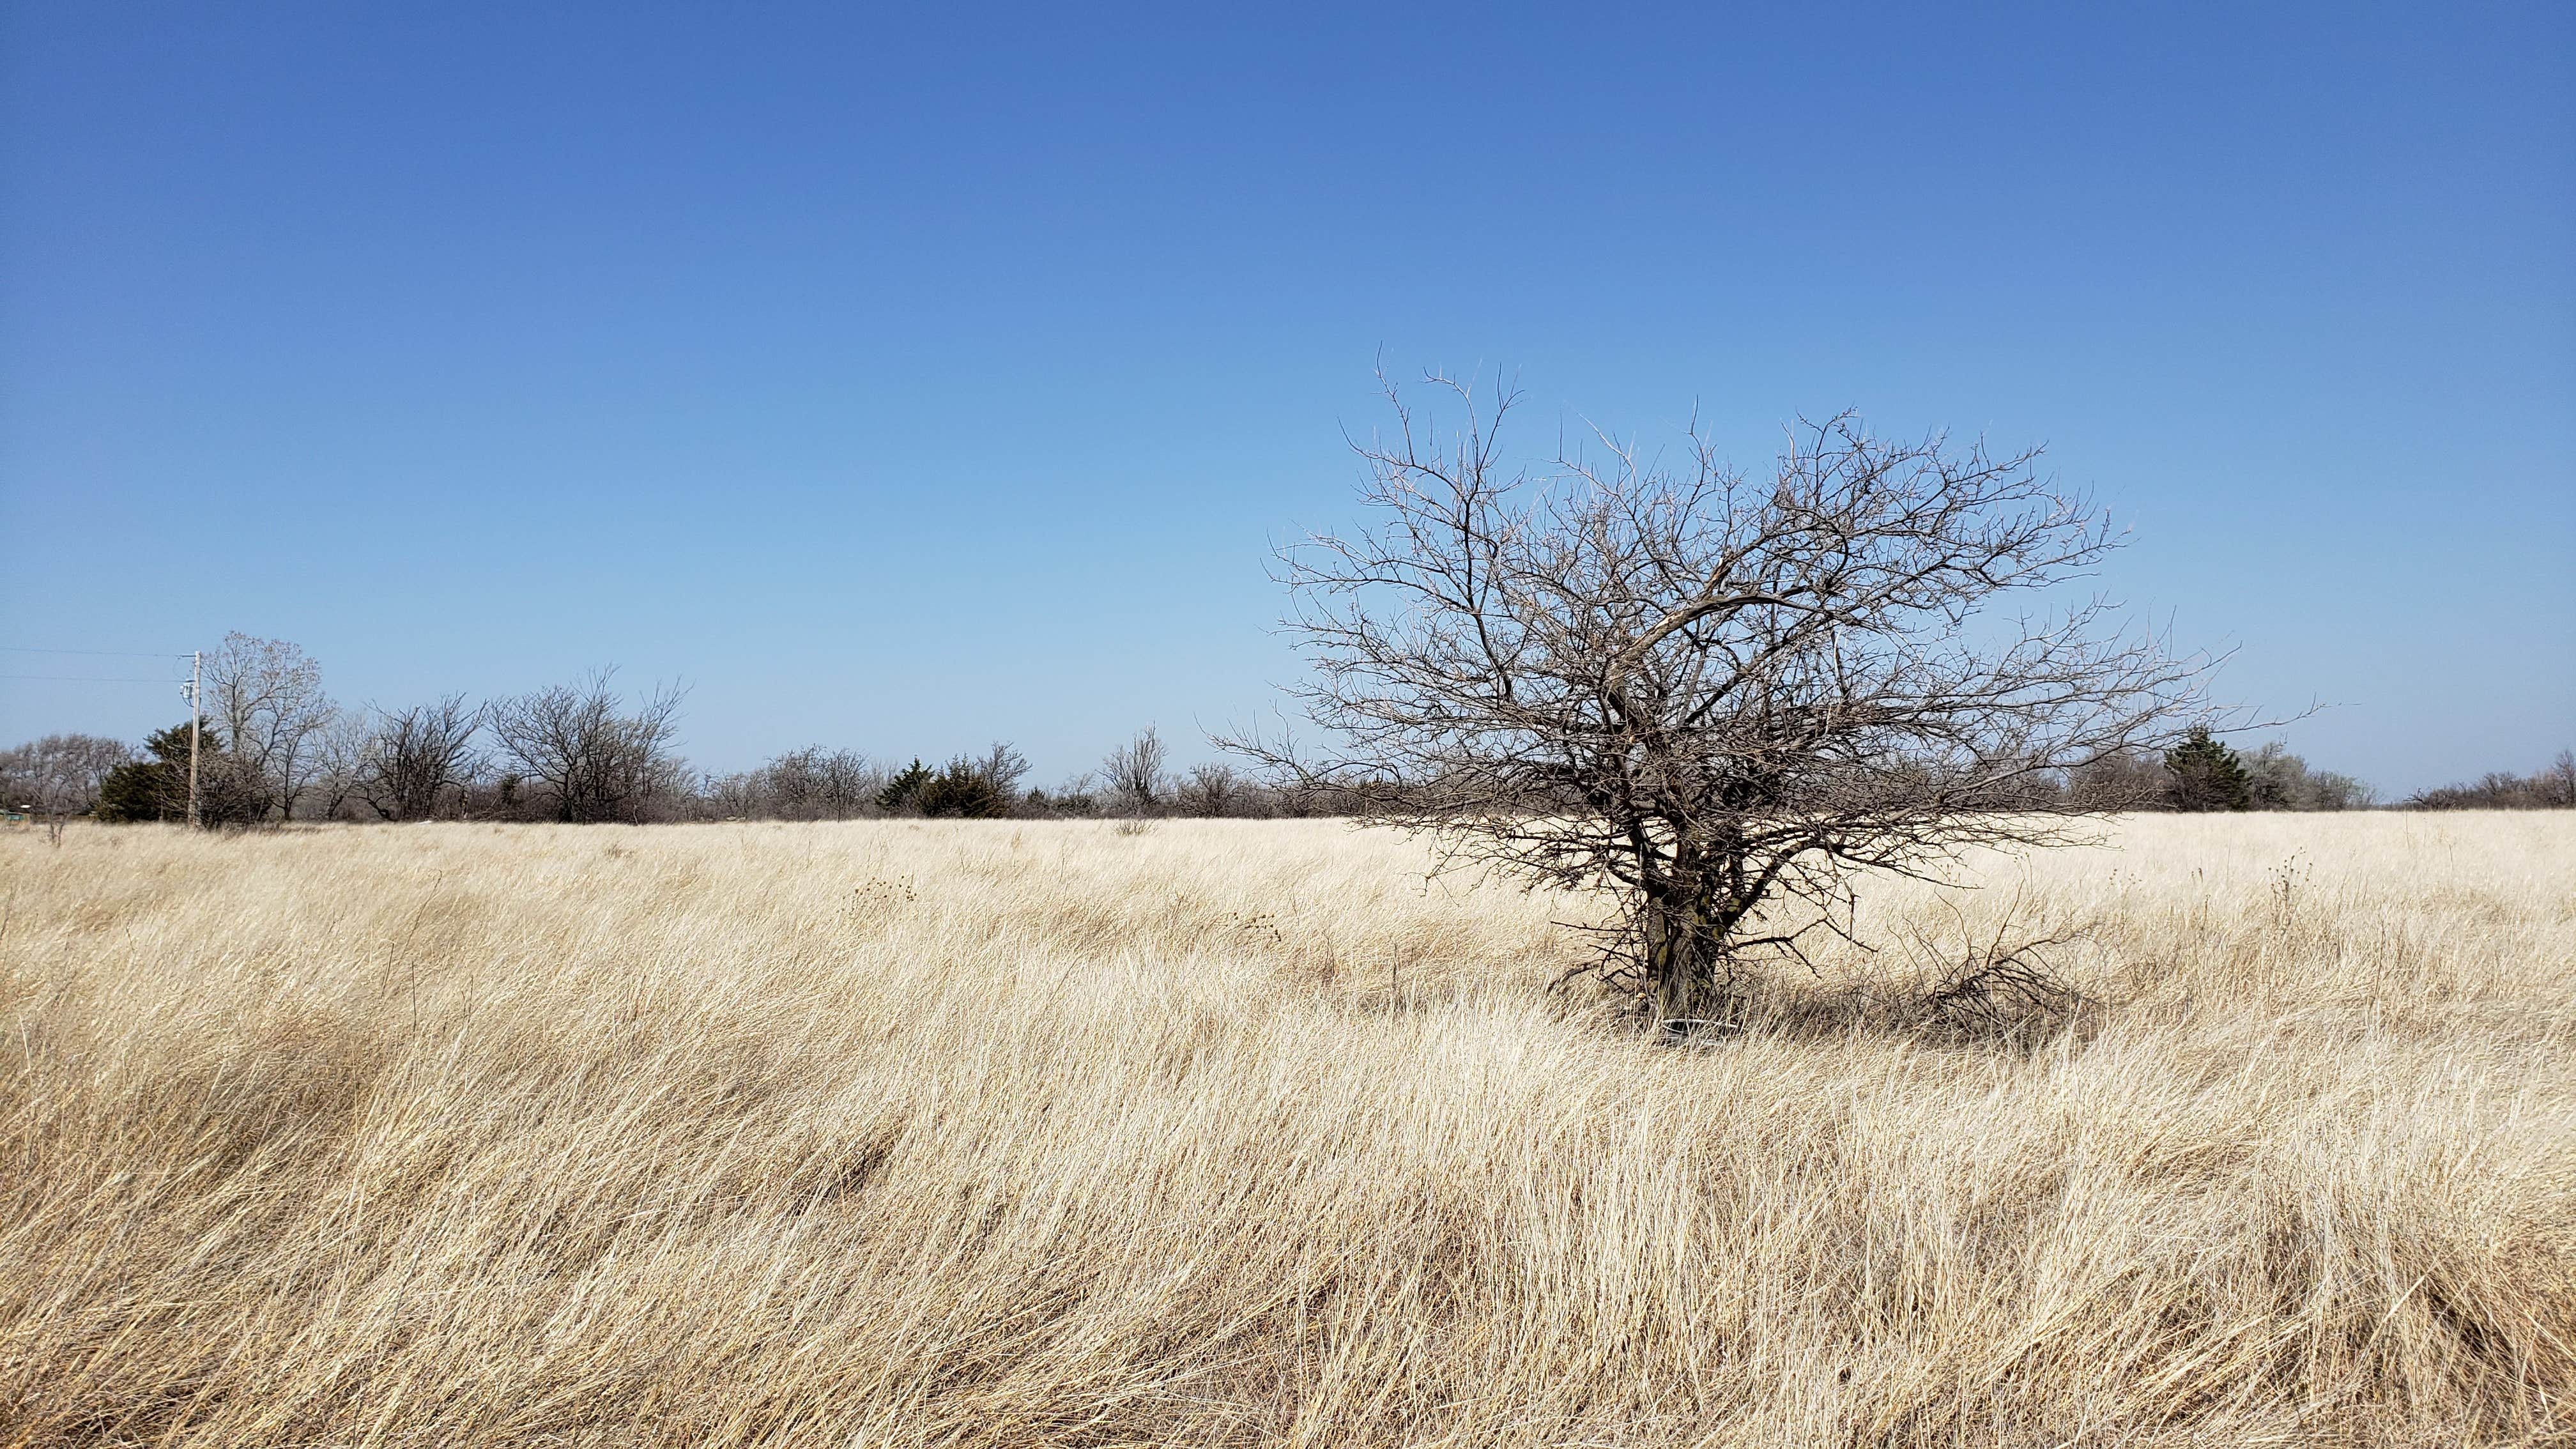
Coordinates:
<point>961,790</point>
<point>2206,775</point>
<point>139,791</point>
<point>229,791</point>
<point>155,788</point>
<point>900,791</point>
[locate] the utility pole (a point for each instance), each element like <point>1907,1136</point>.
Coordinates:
<point>196,712</point>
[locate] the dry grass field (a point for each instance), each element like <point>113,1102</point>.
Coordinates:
<point>1249,1133</point>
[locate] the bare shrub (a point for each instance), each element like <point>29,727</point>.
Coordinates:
<point>849,781</point>
<point>1214,790</point>
<point>415,762</point>
<point>2000,983</point>
<point>1137,773</point>
<point>2279,780</point>
<point>587,756</point>
<point>59,775</point>
<point>2133,779</point>
<point>2553,788</point>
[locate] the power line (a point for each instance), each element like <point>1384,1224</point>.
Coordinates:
<point>101,678</point>
<point>98,653</point>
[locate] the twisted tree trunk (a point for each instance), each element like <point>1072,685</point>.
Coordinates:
<point>1684,949</point>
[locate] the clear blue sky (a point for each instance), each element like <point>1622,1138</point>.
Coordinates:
<point>904,379</point>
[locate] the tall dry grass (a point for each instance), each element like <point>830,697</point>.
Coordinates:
<point>895,1134</point>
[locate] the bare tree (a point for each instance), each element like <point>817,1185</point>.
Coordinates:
<point>1072,796</point>
<point>414,760</point>
<point>589,756</point>
<point>1717,696</point>
<point>738,796</point>
<point>267,696</point>
<point>1212,790</point>
<point>1003,767</point>
<point>795,784</point>
<point>2280,780</point>
<point>59,775</point>
<point>340,754</point>
<point>2124,780</point>
<point>1135,773</point>
<point>811,783</point>
<point>849,783</point>
<point>2551,789</point>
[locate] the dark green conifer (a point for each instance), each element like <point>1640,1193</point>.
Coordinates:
<point>228,791</point>
<point>2206,775</point>
<point>901,791</point>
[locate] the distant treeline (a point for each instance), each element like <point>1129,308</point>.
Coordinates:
<point>2202,773</point>
<point>273,746</point>
<point>2550,789</point>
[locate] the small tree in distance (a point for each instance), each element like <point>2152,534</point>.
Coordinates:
<point>2551,789</point>
<point>230,791</point>
<point>2206,775</point>
<point>60,775</point>
<point>589,756</point>
<point>903,791</point>
<point>267,694</point>
<point>1137,773</point>
<point>2276,779</point>
<point>1711,694</point>
<point>413,761</point>
<point>975,789</point>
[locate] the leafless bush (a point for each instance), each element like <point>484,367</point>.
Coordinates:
<point>794,785</point>
<point>849,782</point>
<point>1137,773</point>
<point>415,762</point>
<point>2280,780</point>
<point>811,783</point>
<point>1214,790</point>
<point>1003,767</point>
<point>2120,780</point>
<point>2551,789</point>
<point>59,775</point>
<point>586,756</point>
<point>1995,984</point>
